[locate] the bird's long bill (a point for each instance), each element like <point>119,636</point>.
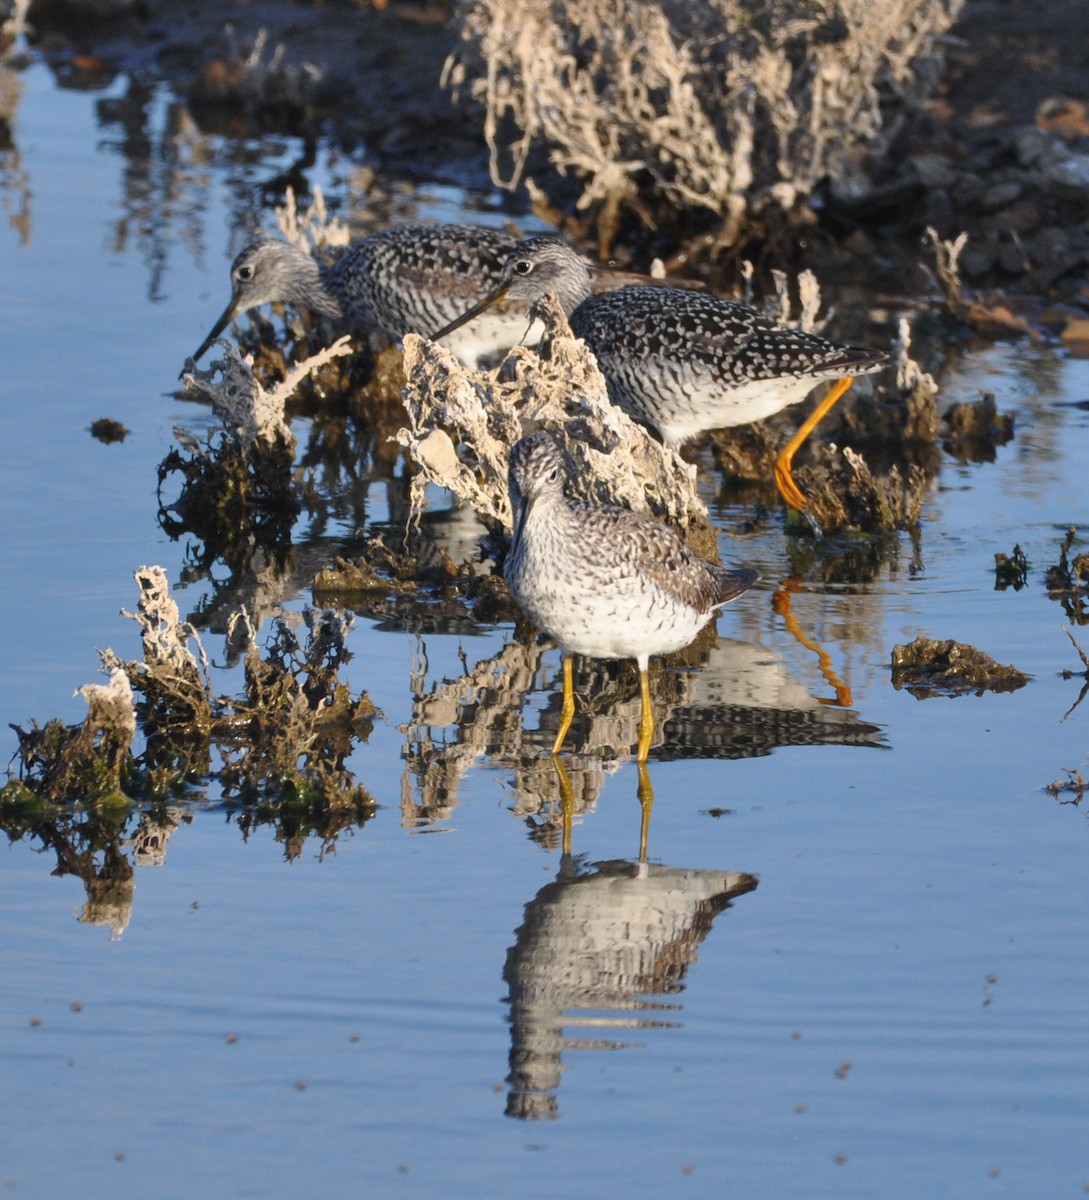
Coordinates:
<point>520,520</point>
<point>496,297</point>
<point>229,314</point>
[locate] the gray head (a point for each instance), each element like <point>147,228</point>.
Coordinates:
<point>540,265</point>
<point>268,271</point>
<point>536,470</point>
<point>535,267</point>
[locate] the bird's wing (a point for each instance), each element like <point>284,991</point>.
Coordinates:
<point>633,543</point>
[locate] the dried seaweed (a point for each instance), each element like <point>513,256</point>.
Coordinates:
<point>843,493</point>
<point>382,583</point>
<point>237,481</point>
<point>1074,785</point>
<point>1068,580</point>
<point>928,668</point>
<point>1011,570</point>
<point>975,430</point>
<point>286,739</point>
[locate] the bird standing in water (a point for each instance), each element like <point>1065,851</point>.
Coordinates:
<point>683,361</point>
<point>604,581</point>
<point>407,279</point>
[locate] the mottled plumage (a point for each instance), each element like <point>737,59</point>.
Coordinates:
<point>681,361</point>
<point>604,581</point>
<point>408,279</point>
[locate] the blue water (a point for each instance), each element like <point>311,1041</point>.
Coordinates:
<point>897,1009</point>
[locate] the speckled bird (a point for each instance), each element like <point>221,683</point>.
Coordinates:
<point>683,361</point>
<point>406,279</point>
<point>604,581</point>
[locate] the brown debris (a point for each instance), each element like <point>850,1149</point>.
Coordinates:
<point>929,668</point>
<point>85,762</point>
<point>1074,785</point>
<point>286,739</point>
<point>382,582</point>
<point>844,494</point>
<point>378,569</point>
<point>1068,580</point>
<point>107,430</point>
<point>976,430</point>
<point>1011,570</point>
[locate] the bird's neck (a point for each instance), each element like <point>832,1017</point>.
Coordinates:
<point>539,518</point>
<point>572,292</point>
<point>312,290</point>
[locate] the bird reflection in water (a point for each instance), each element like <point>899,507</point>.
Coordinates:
<point>595,946</point>
<point>741,702</point>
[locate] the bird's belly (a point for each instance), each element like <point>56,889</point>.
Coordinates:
<point>618,621</point>
<point>681,402</point>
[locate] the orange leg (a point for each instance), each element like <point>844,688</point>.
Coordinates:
<point>788,489</point>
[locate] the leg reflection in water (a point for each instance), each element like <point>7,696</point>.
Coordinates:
<point>780,603</point>
<point>595,946</point>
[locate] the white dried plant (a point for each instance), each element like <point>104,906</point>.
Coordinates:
<point>14,25</point>
<point>253,417</point>
<point>311,229</point>
<point>463,423</point>
<point>715,104</point>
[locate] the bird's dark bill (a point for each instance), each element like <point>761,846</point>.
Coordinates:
<point>227,317</point>
<point>488,302</point>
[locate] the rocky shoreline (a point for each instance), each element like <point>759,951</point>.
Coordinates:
<point>1001,152</point>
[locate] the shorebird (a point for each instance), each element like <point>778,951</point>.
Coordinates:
<point>604,581</point>
<point>683,361</point>
<point>407,279</point>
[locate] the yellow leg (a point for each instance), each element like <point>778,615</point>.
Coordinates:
<point>788,489</point>
<point>567,800</point>
<point>780,604</point>
<point>646,720</point>
<point>646,801</point>
<point>567,713</point>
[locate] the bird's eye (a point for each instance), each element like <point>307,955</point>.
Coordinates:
<point>553,475</point>
<point>523,266</point>
<point>245,272</point>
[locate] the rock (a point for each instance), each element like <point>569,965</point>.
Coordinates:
<point>1011,258</point>
<point>1067,118</point>
<point>999,195</point>
<point>976,260</point>
<point>1076,332</point>
<point>1049,248</point>
<point>1022,217</point>
<point>939,213</point>
<point>1068,175</point>
<point>934,170</point>
<point>1031,146</point>
<point>968,190</point>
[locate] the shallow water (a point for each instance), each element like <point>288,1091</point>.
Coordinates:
<point>896,1008</point>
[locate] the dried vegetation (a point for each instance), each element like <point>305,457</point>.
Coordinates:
<point>927,668</point>
<point>723,105</point>
<point>283,742</point>
<point>463,423</point>
<point>1068,580</point>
